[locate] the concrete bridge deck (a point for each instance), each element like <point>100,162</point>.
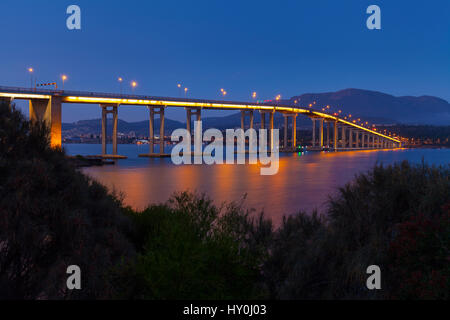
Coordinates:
<point>46,105</point>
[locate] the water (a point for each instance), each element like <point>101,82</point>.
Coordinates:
<point>303,182</point>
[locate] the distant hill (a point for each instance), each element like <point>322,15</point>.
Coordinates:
<point>382,108</point>
<point>372,106</point>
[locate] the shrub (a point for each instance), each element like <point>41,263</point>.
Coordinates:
<point>420,258</point>
<point>191,249</point>
<point>327,258</point>
<point>52,216</point>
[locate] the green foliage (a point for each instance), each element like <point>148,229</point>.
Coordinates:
<point>328,259</point>
<point>190,249</point>
<point>51,217</point>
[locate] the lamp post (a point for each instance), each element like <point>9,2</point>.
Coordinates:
<point>185,92</point>
<point>31,70</point>
<point>133,85</point>
<point>120,84</point>
<point>64,78</point>
<point>179,89</point>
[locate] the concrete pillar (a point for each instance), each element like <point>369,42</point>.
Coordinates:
<point>161,130</point>
<point>188,120</point>
<point>321,133</point>
<point>251,119</point>
<point>104,129</point>
<point>48,111</point>
<point>271,129</point>
<point>328,134</point>
<point>115,122</point>
<point>243,119</point>
<point>357,139</point>
<point>263,120</point>
<point>285,131</point>
<point>335,136</point>
<point>313,132</point>
<point>350,138</point>
<point>294,131</point>
<point>151,137</point>
<point>7,100</point>
<point>344,137</point>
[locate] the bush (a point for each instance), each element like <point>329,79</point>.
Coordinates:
<point>52,216</point>
<point>190,249</point>
<point>327,257</point>
<point>420,258</point>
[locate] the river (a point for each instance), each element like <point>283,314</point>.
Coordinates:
<point>303,182</point>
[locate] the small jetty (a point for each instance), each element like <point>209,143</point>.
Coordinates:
<point>89,161</point>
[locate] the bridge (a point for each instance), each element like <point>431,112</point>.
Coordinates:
<point>341,134</point>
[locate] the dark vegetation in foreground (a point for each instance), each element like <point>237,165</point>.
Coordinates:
<point>52,216</point>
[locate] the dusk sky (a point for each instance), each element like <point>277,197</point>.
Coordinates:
<point>271,47</point>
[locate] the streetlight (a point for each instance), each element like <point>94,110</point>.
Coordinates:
<point>133,85</point>
<point>224,93</point>
<point>120,83</point>
<point>64,78</point>
<point>31,70</point>
<point>278,97</point>
<point>179,89</point>
<point>254,95</point>
<point>185,92</point>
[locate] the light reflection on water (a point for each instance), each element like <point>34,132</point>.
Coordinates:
<point>303,182</point>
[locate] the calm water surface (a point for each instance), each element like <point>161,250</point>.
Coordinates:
<point>303,182</point>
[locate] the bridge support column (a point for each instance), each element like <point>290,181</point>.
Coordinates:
<point>335,136</point>
<point>151,139</point>
<point>114,112</point>
<point>321,133</point>
<point>344,136</point>
<point>313,132</point>
<point>350,138</point>
<point>244,113</point>
<point>115,123</point>
<point>192,112</point>
<point>271,115</point>
<point>48,111</point>
<point>270,126</point>
<point>285,132</point>
<point>293,146</point>
<point>263,120</point>
<point>7,100</point>
<point>328,134</point>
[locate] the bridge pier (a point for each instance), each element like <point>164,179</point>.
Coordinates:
<point>350,138</point>
<point>114,112</point>
<point>328,134</point>
<point>7,100</point>
<point>335,135</point>
<point>293,147</point>
<point>321,133</point>
<point>244,113</point>
<point>263,125</point>
<point>313,132</point>
<point>151,139</point>
<point>48,111</point>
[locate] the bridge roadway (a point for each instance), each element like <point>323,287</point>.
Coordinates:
<point>46,105</point>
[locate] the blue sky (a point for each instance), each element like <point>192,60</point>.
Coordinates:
<point>271,47</point>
